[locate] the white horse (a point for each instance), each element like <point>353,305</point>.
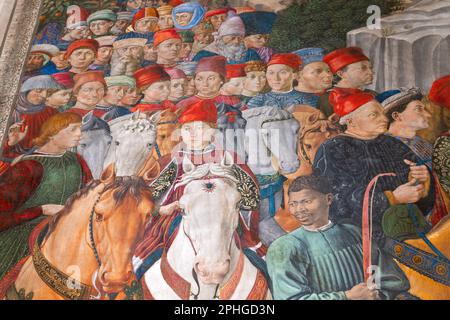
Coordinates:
<point>204,261</point>
<point>133,138</point>
<point>271,146</point>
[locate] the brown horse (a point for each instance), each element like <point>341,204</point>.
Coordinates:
<point>167,136</point>
<point>90,243</point>
<point>315,129</point>
<point>438,123</point>
<point>422,286</point>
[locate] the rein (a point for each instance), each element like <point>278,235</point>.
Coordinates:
<point>91,233</point>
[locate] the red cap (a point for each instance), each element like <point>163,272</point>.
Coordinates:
<point>236,70</point>
<point>289,59</point>
<point>149,75</point>
<point>176,73</point>
<point>64,79</point>
<point>89,76</point>
<point>440,92</point>
<point>144,13</point>
<point>215,12</point>
<point>349,103</point>
<point>164,35</point>
<point>341,58</point>
<point>82,44</point>
<point>337,93</point>
<point>203,110</point>
<point>213,64</point>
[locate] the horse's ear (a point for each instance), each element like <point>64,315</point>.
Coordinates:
<point>228,160</point>
<point>154,118</point>
<point>150,170</point>
<point>334,118</point>
<point>313,118</point>
<point>109,174</point>
<point>178,111</point>
<point>188,166</point>
<point>136,115</point>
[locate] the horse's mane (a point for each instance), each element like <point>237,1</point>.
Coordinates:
<point>204,170</point>
<point>123,186</point>
<point>268,114</point>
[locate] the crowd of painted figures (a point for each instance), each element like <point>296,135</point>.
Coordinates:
<point>360,185</point>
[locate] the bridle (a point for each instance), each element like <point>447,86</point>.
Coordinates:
<point>91,242</point>
<point>157,149</point>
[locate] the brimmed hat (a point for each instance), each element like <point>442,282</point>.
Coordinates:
<point>40,82</point>
<point>105,14</point>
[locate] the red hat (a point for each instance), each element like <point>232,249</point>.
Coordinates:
<point>144,13</point>
<point>341,58</point>
<point>236,70</point>
<point>149,75</point>
<point>64,79</point>
<point>176,73</point>
<point>348,103</point>
<point>215,12</point>
<point>203,110</point>
<point>164,35</point>
<point>289,59</point>
<point>89,76</point>
<point>214,64</point>
<point>440,92</point>
<point>83,43</point>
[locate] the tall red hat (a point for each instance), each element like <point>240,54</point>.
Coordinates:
<point>341,58</point>
<point>236,70</point>
<point>164,35</point>
<point>203,110</point>
<point>149,75</point>
<point>289,59</point>
<point>144,13</point>
<point>89,76</point>
<point>440,92</point>
<point>215,12</point>
<point>348,103</point>
<point>82,44</point>
<point>214,64</point>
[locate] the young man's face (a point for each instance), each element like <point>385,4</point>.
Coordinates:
<point>217,20</point>
<point>414,116</point>
<point>208,83</point>
<point>146,25</point>
<point>78,33</point>
<point>100,27</point>
<point>131,97</point>
<point>316,76</point>
<point>169,49</point>
<point>115,94</point>
<point>310,207</point>
<point>60,98</point>
<point>60,61</point>
<point>197,134</point>
<point>177,88</point>
<point>358,74</point>
<point>82,58</point>
<point>280,77</point>
<point>165,22</point>
<point>186,49</point>
<point>255,81</point>
<point>68,137</point>
<point>104,54</point>
<point>157,92</point>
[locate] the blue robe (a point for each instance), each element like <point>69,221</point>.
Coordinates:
<point>350,164</point>
<point>283,100</point>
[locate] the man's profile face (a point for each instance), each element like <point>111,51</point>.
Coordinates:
<point>35,62</point>
<point>310,207</point>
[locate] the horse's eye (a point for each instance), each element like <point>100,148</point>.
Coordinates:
<point>117,143</point>
<point>308,146</point>
<point>83,145</point>
<point>149,145</point>
<point>109,143</point>
<point>98,217</point>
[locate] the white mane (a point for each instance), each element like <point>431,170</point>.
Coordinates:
<point>267,114</point>
<point>204,170</point>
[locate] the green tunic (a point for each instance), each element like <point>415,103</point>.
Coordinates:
<point>62,177</point>
<point>322,265</point>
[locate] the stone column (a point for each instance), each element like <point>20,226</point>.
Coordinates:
<point>18,22</point>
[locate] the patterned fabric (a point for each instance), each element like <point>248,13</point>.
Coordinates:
<point>441,161</point>
<point>283,100</point>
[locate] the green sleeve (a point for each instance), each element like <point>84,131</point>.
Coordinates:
<point>288,265</point>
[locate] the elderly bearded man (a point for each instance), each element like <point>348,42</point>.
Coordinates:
<point>39,61</point>
<point>322,260</point>
<point>230,44</point>
<point>353,159</point>
<point>128,54</point>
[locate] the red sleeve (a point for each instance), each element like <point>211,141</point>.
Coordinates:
<point>9,152</point>
<point>17,184</point>
<point>87,175</point>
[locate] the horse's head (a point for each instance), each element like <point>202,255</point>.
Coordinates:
<point>134,138</point>
<point>95,143</point>
<point>117,224</point>
<point>211,213</point>
<point>271,140</point>
<point>316,129</point>
<point>167,135</point>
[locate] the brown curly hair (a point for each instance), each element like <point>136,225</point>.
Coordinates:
<point>255,65</point>
<point>55,124</point>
